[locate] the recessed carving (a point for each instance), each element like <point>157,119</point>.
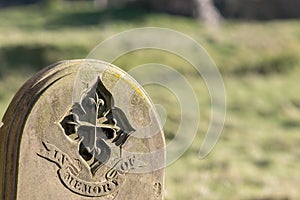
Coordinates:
<point>94,122</point>
<point>69,170</point>
<point>157,187</point>
<point>52,148</point>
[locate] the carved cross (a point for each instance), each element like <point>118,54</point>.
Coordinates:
<point>95,122</point>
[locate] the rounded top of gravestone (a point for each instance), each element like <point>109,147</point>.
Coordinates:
<point>83,129</point>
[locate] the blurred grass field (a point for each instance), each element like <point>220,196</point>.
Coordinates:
<point>258,154</point>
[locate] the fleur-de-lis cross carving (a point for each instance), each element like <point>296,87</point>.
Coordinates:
<point>94,122</point>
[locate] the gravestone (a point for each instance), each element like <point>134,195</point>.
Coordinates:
<point>81,129</point>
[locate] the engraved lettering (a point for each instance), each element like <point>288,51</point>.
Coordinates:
<point>55,154</point>
<point>62,159</point>
<point>124,166</point>
<point>68,173</point>
<point>106,187</point>
<point>76,184</point>
<point>127,164</point>
<point>96,189</point>
<point>115,182</point>
<point>67,177</point>
<point>87,188</point>
<point>70,180</point>
<point>111,174</point>
<point>131,161</point>
<point>93,123</point>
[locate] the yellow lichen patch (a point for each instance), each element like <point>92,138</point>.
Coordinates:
<point>141,116</point>
<point>110,77</point>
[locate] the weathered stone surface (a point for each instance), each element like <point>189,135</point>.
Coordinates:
<point>81,129</point>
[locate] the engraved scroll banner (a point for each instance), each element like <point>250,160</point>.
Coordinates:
<point>69,171</point>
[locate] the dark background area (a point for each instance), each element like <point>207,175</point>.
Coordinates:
<point>238,9</point>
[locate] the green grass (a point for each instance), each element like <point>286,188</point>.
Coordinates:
<point>257,156</point>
